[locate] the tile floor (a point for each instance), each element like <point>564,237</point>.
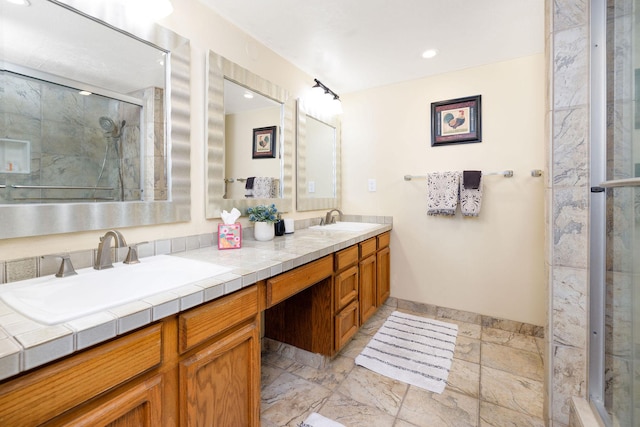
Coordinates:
<point>496,380</point>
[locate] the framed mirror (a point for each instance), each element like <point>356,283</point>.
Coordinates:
<point>249,139</point>
<point>86,141</point>
<point>318,160</point>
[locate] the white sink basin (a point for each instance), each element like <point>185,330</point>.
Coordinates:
<point>51,300</point>
<point>345,226</point>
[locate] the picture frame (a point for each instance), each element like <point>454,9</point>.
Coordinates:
<point>264,142</point>
<point>456,121</point>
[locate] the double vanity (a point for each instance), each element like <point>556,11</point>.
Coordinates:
<point>188,354</point>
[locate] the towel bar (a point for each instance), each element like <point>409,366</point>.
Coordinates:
<point>58,187</point>
<point>506,174</point>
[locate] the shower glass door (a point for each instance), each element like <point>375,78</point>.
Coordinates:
<point>615,291</point>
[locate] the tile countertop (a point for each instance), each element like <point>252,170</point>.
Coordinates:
<point>26,344</point>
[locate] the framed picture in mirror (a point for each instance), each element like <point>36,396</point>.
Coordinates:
<point>264,142</point>
<point>456,121</point>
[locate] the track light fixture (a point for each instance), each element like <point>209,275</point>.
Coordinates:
<point>336,104</point>
<point>325,89</point>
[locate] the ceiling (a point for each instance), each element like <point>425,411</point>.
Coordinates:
<point>351,45</point>
<point>98,61</point>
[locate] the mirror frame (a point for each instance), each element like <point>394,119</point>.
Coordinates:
<point>304,203</point>
<point>45,219</point>
<point>219,69</point>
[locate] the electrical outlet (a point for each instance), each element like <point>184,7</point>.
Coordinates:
<point>312,187</point>
<point>372,185</point>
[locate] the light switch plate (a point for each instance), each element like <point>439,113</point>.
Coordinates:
<point>312,187</point>
<point>372,184</point>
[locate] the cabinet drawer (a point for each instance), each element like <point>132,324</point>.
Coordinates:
<point>346,257</point>
<point>346,324</point>
<point>346,287</point>
<point>204,322</point>
<point>383,240</point>
<point>283,286</point>
<point>57,388</point>
<point>368,247</point>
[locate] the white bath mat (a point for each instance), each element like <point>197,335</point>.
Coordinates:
<point>317,420</point>
<point>412,349</point>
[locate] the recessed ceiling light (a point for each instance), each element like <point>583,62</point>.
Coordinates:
<point>248,95</point>
<point>429,53</point>
<point>19,2</point>
<point>85,92</point>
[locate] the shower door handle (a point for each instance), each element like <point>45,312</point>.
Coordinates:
<point>627,182</point>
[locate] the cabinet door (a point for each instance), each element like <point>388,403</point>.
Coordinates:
<point>139,406</point>
<point>367,295</point>
<point>346,287</point>
<point>346,324</point>
<point>27,400</point>
<point>220,384</point>
<point>384,275</point>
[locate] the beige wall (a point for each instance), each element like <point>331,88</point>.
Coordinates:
<point>492,264</point>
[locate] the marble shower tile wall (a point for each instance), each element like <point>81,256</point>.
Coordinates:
<point>568,197</point>
<point>568,203</point>
<point>67,144</point>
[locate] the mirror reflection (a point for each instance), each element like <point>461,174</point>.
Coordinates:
<point>251,156</point>
<point>73,124</point>
<point>250,149</point>
<point>87,122</point>
<point>321,154</point>
<point>318,160</point>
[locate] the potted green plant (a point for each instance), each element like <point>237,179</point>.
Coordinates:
<point>264,216</point>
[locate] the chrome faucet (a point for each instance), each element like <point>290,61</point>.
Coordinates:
<point>330,219</point>
<point>103,256</point>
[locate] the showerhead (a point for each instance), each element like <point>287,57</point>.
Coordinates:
<point>109,126</point>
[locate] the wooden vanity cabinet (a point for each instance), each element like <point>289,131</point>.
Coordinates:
<point>220,368</point>
<point>320,306</point>
<point>374,270</point>
<point>367,286</point>
<point>346,284</point>
<point>83,385</point>
<point>137,405</point>
<point>200,367</point>
<point>299,307</point>
<point>383,265</point>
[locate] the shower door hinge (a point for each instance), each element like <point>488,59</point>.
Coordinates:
<point>597,189</point>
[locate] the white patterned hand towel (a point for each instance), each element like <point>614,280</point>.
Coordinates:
<point>317,420</point>
<point>442,193</point>
<point>470,197</point>
<point>275,188</point>
<point>262,187</point>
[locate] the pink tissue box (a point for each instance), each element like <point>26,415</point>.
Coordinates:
<point>229,236</point>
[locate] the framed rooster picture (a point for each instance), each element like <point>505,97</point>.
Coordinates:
<point>456,121</point>
<point>264,142</point>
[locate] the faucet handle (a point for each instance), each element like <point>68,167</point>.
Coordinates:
<point>132,255</point>
<point>66,267</point>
